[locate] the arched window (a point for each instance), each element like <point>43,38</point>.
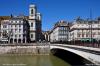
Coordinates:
<point>31,11</point>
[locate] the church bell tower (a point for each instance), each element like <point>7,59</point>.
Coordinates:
<point>32,11</point>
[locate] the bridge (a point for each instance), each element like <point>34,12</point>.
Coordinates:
<point>88,53</point>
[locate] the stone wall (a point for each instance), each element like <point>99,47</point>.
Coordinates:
<point>24,49</point>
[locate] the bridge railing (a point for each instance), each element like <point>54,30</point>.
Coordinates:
<point>25,44</point>
<point>78,43</point>
<point>87,44</point>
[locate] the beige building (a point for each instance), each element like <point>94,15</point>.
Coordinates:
<point>86,30</point>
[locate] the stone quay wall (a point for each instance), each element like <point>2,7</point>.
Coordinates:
<point>25,49</point>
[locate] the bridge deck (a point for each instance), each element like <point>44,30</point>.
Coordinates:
<point>85,50</point>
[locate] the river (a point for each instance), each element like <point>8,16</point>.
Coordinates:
<point>31,60</point>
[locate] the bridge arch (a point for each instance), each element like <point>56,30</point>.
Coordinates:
<point>70,55</point>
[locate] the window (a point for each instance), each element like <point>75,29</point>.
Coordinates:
<point>15,30</point>
<point>15,21</point>
<point>15,35</point>
<point>15,25</point>
<point>31,24</point>
<point>94,34</point>
<point>87,35</point>
<point>19,35</point>
<point>19,30</point>
<point>19,25</point>
<point>83,35</point>
<point>12,35</point>
<point>11,25</point>
<point>31,11</point>
<point>98,33</point>
<point>4,26</point>
<point>19,21</point>
<point>62,28</point>
<point>23,35</point>
<point>78,35</point>
<point>31,35</point>
<point>11,30</point>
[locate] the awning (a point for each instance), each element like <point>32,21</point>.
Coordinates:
<point>87,39</point>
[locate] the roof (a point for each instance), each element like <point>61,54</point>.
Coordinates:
<point>4,17</point>
<point>61,23</point>
<point>86,21</point>
<point>9,17</point>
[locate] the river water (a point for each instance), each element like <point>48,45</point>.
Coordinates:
<point>31,60</point>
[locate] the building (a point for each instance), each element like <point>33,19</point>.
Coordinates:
<point>18,30</point>
<point>85,30</point>
<point>60,32</point>
<point>46,36</point>
<point>21,29</point>
<point>4,31</point>
<point>35,23</point>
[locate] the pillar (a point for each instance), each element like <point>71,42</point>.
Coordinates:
<point>9,41</point>
<point>17,40</point>
<point>21,41</point>
<point>13,41</point>
<point>25,39</point>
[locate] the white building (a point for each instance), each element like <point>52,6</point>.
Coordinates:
<point>21,29</point>
<point>86,30</point>
<point>60,32</point>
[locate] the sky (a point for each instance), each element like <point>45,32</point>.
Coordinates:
<point>52,10</point>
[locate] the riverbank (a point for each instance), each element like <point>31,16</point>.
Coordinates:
<point>45,50</point>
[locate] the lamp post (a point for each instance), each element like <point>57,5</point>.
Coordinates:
<point>90,28</point>
<point>74,38</point>
<point>91,25</point>
<point>98,33</point>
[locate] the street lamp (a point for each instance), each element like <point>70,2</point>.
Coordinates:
<point>98,32</point>
<point>90,28</point>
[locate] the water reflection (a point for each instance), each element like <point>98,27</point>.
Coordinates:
<point>31,60</point>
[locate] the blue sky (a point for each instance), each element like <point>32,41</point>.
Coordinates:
<point>52,10</point>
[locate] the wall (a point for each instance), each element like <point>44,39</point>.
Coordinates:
<point>24,49</point>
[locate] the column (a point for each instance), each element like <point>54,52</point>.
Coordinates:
<point>9,41</point>
<point>17,40</point>
<point>25,39</point>
<point>13,41</point>
<point>21,41</point>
